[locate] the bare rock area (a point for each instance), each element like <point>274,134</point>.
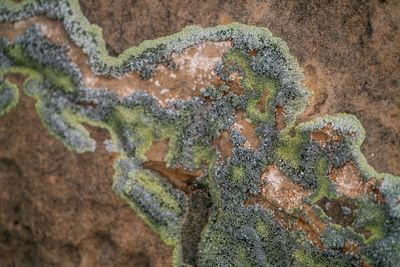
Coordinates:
<point>57,207</point>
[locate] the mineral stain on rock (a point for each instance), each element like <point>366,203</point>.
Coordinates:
<point>201,130</point>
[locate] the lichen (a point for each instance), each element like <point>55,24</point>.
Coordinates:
<point>257,81</point>
<point>9,96</point>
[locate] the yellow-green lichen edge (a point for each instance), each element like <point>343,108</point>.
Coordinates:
<point>211,226</point>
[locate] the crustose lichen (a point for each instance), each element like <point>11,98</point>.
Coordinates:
<point>210,154</point>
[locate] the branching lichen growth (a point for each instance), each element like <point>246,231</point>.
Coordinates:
<point>222,161</point>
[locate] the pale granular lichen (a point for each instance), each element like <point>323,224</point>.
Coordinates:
<point>209,153</point>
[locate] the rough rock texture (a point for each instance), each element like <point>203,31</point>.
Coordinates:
<point>349,50</point>
<point>57,207</point>
<point>59,217</point>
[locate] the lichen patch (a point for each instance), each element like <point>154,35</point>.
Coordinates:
<point>161,150</point>
<point>195,65</point>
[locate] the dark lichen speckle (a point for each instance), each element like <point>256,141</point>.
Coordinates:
<point>284,194</point>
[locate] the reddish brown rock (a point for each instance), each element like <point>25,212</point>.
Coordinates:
<point>349,51</point>
<point>286,199</point>
<point>57,207</point>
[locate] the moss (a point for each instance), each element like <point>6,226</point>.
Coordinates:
<point>262,229</point>
<point>80,119</point>
<point>31,76</point>
<point>73,135</point>
<point>85,144</point>
<point>210,245</point>
<point>17,5</point>
<point>17,54</point>
<point>151,184</point>
<point>9,92</point>
<point>59,80</point>
<point>390,188</point>
<point>158,198</point>
<point>318,259</point>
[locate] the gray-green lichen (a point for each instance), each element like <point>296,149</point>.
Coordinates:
<point>8,96</point>
<point>236,233</point>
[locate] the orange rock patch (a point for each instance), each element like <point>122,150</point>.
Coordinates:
<point>263,101</point>
<point>280,118</point>
<point>248,130</point>
<point>178,177</point>
<point>158,151</point>
<point>224,144</point>
<point>349,182</point>
<point>195,65</point>
<point>286,199</point>
<point>235,84</point>
<point>280,191</point>
<point>325,135</point>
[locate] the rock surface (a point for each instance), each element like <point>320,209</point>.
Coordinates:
<point>58,206</point>
<point>349,50</point>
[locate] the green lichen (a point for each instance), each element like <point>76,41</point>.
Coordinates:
<point>307,259</point>
<point>157,198</point>
<point>371,217</point>
<point>145,129</point>
<point>202,154</point>
<point>254,86</point>
<point>57,79</point>
<point>290,147</point>
<point>323,182</point>
<point>238,174</point>
<point>237,233</point>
